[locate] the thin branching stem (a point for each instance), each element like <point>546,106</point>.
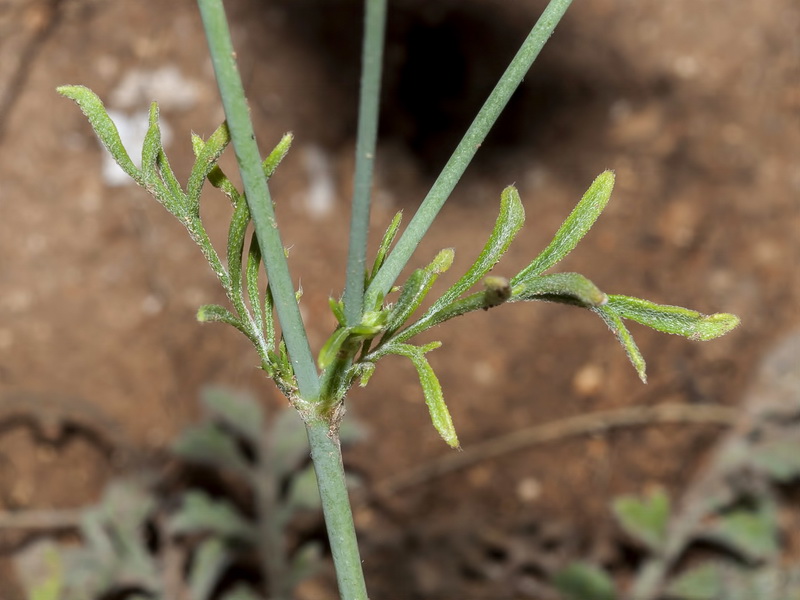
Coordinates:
<point>258,196</point>
<point>455,167</point>
<point>372,59</point>
<point>326,453</point>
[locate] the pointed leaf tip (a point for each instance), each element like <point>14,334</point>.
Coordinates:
<point>574,227</point>
<point>674,319</point>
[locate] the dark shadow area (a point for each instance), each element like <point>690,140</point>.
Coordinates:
<point>443,59</point>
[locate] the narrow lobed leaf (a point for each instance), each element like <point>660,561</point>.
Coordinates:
<point>207,155</point>
<point>431,389</point>
<point>251,280</point>
<point>91,106</point>
<point>209,313</point>
<point>237,231</point>
<point>332,346</point>
<point>386,243</point>
<point>567,288</point>
<point>574,227</point>
<point>416,288</point>
<point>506,227</point>
<point>615,324</point>
<point>673,319</point>
<point>274,158</point>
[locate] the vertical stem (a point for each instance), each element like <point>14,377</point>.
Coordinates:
<point>466,149</point>
<point>326,453</point>
<point>258,197</point>
<point>372,58</point>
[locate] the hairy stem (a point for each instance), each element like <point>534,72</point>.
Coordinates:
<point>326,454</point>
<point>372,58</point>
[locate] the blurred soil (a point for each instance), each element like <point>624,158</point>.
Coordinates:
<point>695,105</point>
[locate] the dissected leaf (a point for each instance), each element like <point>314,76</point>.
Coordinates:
<point>331,347</point>
<point>207,155</point>
<point>251,280</point>
<point>208,445</point>
<point>673,319</point>
<point>240,411</point>
<point>581,581</point>
<point>210,561</point>
<point>644,519</point>
<point>416,288</point>
<point>568,288</point>
<point>615,324</point>
<point>91,106</point>
<point>200,513</point>
<point>432,390</point>
<point>274,158</point>
<point>386,243</point>
<point>236,235</point>
<point>574,227</point>
<point>506,227</point>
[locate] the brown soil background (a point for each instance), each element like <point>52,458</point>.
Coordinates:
<point>696,105</point>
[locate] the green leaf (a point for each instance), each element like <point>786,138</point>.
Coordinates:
<point>208,445</point>
<point>673,319</point>
<point>386,243</point>
<point>91,106</point>
<point>210,313</point>
<point>644,519</point>
<point>752,532</point>
<point>239,411</point>
<point>207,155</point>
<point>415,289</point>
<point>581,581</point>
<point>209,563</point>
<point>303,491</point>
<point>506,227</point>
<point>275,157</point>
<point>237,230</point>
<point>251,280</point>
<point>567,288</point>
<point>704,582</point>
<point>779,458</point>
<point>432,390</point>
<point>574,227</point>
<point>615,324</point>
<point>332,346</point>
<point>201,514</point>
<point>337,308</point>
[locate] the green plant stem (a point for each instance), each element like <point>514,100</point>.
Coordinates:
<point>455,167</point>
<point>258,197</point>
<point>326,454</point>
<point>372,59</point>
